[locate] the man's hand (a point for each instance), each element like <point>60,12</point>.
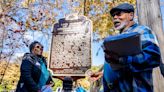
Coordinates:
<point>95,76</point>
<point>111,57</point>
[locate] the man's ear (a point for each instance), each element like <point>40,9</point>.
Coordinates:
<point>131,16</point>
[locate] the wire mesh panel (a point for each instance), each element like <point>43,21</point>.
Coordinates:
<point>71,46</point>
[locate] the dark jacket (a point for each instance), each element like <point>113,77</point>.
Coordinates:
<point>30,74</point>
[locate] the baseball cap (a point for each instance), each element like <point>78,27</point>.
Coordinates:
<point>122,7</point>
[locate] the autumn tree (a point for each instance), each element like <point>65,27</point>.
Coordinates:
<point>23,21</point>
<point>20,22</point>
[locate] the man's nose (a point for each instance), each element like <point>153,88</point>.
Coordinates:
<point>115,16</point>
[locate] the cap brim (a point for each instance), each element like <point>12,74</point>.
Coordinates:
<point>118,9</point>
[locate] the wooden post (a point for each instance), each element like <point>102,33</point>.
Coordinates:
<point>149,14</point>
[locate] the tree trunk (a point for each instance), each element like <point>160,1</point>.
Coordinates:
<point>149,14</point>
<point>84,8</point>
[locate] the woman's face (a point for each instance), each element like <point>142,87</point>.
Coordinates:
<point>38,49</point>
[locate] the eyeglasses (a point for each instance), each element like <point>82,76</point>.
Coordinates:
<point>39,46</point>
<point>118,13</point>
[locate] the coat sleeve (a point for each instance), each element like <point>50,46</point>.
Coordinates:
<point>149,57</point>
<point>26,68</point>
<point>146,60</point>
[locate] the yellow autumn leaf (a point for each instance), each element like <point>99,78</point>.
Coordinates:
<point>26,3</point>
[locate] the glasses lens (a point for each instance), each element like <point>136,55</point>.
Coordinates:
<point>40,47</point>
<point>118,13</point>
<point>37,46</point>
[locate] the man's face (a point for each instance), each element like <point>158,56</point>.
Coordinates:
<point>121,19</point>
<point>38,49</point>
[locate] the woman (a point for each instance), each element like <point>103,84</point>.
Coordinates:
<point>34,74</point>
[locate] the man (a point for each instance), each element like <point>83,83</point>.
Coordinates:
<point>136,75</point>
<point>34,74</point>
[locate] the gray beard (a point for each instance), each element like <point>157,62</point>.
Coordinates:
<point>122,26</point>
